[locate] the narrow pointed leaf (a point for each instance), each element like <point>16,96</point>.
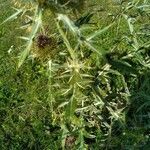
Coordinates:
<point>35,28</point>
<point>12,17</point>
<point>99,32</point>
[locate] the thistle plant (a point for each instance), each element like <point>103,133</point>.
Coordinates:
<point>90,60</point>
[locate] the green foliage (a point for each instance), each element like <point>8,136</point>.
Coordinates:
<point>86,87</point>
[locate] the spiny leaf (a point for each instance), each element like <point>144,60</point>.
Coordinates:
<point>36,25</point>
<point>70,24</point>
<point>71,51</point>
<point>71,107</point>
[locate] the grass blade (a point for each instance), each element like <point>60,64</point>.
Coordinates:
<point>99,32</point>
<point>13,16</point>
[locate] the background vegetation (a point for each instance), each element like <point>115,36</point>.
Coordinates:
<point>74,75</point>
